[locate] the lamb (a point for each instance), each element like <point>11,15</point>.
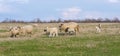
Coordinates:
<point>52,31</point>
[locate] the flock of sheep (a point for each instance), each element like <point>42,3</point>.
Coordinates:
<point>67,28</point>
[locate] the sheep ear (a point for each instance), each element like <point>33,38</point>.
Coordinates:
<point>10,28</point>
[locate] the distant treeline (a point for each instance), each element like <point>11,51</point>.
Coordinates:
<point>87,20</point>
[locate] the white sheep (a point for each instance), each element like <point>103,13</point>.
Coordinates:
<point>28,29</point>
<point>14,31</point>
<point>64,26</point>
<point>98,29</point>
<point>52,31</point>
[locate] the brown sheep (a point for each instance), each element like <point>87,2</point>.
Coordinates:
<point>65,26</point>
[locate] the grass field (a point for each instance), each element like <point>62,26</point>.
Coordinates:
<point>86,43</point>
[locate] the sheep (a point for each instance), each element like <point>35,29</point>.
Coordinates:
<point>28,29</point>
<point>14,31</point>
<point>98,28</point>
<point>73,25</point>
<point>52,31</point>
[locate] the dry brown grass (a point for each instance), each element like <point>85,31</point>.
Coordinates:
<point>85,29</point>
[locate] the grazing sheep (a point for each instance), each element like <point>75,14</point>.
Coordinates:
<point>14,31</point>
<point>28,29</point>
<point>52,31</point>
<point>73,25</point>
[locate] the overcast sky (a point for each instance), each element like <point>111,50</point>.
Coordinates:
<point>54,9</point>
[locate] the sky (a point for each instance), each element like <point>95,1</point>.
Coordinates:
<point>53,9</point>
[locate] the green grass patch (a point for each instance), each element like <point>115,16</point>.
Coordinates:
<point>86,45</point>
<point>3,30</point>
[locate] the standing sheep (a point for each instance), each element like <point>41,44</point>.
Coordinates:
<point>28,29</point>
<point>98,28</point>
<point>64,26</point>
<point>52,31</point>
<point>14,31</point>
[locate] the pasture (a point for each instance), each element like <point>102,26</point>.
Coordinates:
<point>87,43</point>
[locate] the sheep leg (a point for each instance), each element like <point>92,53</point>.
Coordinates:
<point>75,31</point>
<point>99,30</point>
<point>50,34</point>
<point>56,34</point>
<point>30,33</point>
<point>78,30</point>
<point>15,35</point>
<point>24,34</point>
